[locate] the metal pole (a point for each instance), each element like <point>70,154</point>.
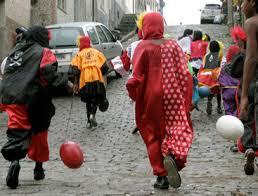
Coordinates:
<point>230,13</point>
<point>93,10</point>
<point>161,5</point>
<point>134,6</point>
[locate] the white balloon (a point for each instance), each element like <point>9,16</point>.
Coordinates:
<point>230,127</point>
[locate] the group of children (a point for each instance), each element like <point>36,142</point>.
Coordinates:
<point>232,79</point>
<point>208,64</point>
<point>161,85</point>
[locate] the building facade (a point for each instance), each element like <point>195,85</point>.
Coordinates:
<point>46,12</point>
<point>10,19</point>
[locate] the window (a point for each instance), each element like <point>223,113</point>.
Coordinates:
<point>101,34</point>
<point>212,6</point>
<point>108,34</point>
<point>64,37</point>
<point>61,4</point>
<point>93,36</point>
<point>33,2</point>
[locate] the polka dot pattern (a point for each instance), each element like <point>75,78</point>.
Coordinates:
<point>179,135</point>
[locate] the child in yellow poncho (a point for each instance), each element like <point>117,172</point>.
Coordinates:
<point>89,66</point>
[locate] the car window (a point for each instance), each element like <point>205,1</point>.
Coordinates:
<point>212,6</point>
<point>64,37</point>
<point>101,34</point>
<point>108,34</point>
<point>93,35</point>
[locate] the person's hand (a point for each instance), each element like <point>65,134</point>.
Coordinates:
<point>243,115</point>
<point>69,86</point>
<point>75,88</point>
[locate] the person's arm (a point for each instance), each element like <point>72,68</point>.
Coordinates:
<point>49,77</point>
<point>249,65</point>
<point>76,72</point>
<point>104,68</point>
<point>140,60</point>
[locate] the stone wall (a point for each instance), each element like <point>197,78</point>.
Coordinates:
<point>43,12</point>
<point>82,10</point>
<point>10,19</point>
<point>19,11</point>
<point>67,15</point>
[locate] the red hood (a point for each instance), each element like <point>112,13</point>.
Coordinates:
<point>232,51</point>
<point>153,26</point>
<point>84,42</point>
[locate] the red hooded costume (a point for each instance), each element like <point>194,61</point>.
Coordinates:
<point>161,86</point>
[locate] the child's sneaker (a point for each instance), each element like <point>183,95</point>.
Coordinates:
<point>161,183</point>
<point>234,148</point>
<point>93,121</point>
<point>135,130</point>
<point>39,174</point>
<point>174,178</point>
<point>12,179</point>
<point>249,161</point>
<point>88,126</point>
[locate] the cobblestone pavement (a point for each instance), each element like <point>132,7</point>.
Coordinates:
<point>116,161</point>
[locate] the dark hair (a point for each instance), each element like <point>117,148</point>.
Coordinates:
<point>38,34</point>
<point>256,6</point>
<point>214,46</point>
<point>197,35</point>
<point>187,32</point>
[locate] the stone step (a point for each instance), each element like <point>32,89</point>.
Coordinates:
<point>127,23</point>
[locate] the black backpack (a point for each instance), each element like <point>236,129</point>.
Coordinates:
<point>236,67</point>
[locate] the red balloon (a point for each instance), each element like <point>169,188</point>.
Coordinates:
<point>71,154</point>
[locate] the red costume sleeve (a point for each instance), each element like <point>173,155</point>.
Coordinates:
<point>48,71</point>
<point>139,61</point>
<point>126,61</point>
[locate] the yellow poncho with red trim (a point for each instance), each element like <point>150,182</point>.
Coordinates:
<point>89,61</point>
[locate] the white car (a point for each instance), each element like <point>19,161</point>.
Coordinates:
<point>209,13</point>
<point>64,36</point>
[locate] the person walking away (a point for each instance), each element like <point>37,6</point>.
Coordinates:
<point>161,86</point>
<point>248,109</point>
<point>185,40</point>
<point>230,84</point>
<point>209,73</point>
<point>89,66</point>
<point>123,64</point>
<point>198,50</point>
<point>30,75</point>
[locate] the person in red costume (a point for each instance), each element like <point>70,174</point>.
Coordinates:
<point>123,63</point>
<point>198,51</point>
<point>161,85</point>
<point>29,77</point>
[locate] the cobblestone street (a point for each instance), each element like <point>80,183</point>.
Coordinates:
<point>116,161</point>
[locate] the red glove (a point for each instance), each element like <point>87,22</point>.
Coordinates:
<point>131,87</point>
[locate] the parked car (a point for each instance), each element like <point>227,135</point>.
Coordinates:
<point>64,36</point>
<point>219,19</point>
<point>209,12</point>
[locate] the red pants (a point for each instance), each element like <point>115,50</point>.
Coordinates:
<point>153,143</point>
<point>38,150</point>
